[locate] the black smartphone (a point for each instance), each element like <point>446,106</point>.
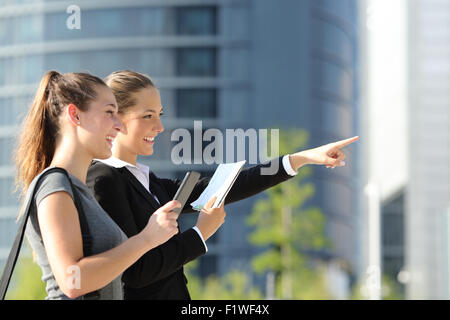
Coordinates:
<point>185,189</point>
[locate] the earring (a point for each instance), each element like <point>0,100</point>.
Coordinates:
<point>78,122</point>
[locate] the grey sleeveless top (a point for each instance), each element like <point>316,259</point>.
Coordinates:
<point>104,232</point>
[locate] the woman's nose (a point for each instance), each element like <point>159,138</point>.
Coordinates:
<point>159,128</point>
<point>118,125</point>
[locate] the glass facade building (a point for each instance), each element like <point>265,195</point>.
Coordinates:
<point>232,64</point>
<point>428,193</point>
<point>393,238</point>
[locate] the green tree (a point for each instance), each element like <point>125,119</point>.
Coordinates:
<point>234,285</point>
<point>289,231</point>
<point>26,283</point>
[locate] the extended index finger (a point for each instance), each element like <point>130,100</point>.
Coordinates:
<point>346,142</point>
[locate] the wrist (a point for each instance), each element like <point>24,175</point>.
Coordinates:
<point>298,160</point>
<point>144,242</point>
<point>204,233</point>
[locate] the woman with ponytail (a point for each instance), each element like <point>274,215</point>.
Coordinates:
<point>73,119</point>
<point>129,192</point>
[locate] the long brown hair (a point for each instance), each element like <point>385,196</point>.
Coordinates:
<point>124,84</point>
<point>40,129</point>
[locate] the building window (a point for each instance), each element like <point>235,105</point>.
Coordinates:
<point>197,62</point>
<point>2,71</point>
<point>156,21</point>
<point>6,145</point>
<point>196,103</point>
<point>158,62</point>
<point>196,20</point>
<point>207,265</point>
<point>110,22</point>
<point>64,62</point>
<point>29,68</point>
<point>22,29</point>
<point>8,197</point>
<point>55,27</point>
<point>13,110</point>
<point>8,227</point>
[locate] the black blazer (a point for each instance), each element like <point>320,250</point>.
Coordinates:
<point>159,273</point>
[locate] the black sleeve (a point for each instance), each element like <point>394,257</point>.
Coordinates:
<point>249,182</point>
<point>165,259</point>
<point>109,190</point>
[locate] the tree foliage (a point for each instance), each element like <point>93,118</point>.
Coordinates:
<point>26,283</point>
<point>289,230</point>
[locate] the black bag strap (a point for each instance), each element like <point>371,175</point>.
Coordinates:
<point>17,244</point>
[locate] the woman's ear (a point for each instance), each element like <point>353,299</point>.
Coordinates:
<point>73,114</point>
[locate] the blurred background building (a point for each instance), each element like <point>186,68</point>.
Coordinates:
<point>231,63</point>
<point>405,59</point>
<point>383,123</point>
<point>428,192</point>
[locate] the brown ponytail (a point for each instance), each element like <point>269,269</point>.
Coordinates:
<point>124,83</point>
<point>40,129</point>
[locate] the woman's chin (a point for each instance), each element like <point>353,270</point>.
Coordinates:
<point>147,152</point>
<point>103,155</point>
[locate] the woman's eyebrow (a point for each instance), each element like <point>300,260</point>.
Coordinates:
<point>152,110</point>
<point>112,105</point>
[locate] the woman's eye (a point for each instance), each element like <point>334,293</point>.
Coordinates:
<point>149,116</point>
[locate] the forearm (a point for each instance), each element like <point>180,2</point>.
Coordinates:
<point>96,271</point>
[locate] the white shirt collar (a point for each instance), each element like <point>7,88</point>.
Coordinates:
<point>118,163</point>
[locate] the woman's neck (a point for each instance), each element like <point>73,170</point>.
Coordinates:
<point>124,155</point>
<point>74,161</point>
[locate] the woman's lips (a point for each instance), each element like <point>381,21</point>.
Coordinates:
<point>109,140</point>
<point>149,140</point>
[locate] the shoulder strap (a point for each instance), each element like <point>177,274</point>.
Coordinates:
<point>17,244</point>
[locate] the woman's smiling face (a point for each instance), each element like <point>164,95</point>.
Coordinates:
<point>100,124</point>
<point>141,123</point>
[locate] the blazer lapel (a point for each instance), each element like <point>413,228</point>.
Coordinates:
<point>140,188</point>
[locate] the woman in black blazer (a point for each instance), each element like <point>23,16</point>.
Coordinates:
<point>130,192</point>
